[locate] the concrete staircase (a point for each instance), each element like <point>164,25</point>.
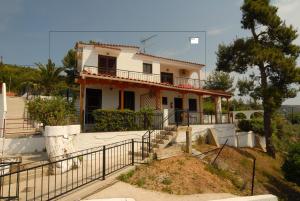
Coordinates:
<point>160,139</point>
<point>16,122</point>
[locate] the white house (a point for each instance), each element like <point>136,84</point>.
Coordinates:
<point>113,76</point>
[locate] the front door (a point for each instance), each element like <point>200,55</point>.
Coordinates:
<point>178,106</point>
<point>93,102</point>
<point>107,65</point>
<point>129,100</point>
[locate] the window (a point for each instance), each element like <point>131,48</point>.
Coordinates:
<point>147,68</point>
<point>164,100</point>
<point>192,105</point>
<point>166,78</point>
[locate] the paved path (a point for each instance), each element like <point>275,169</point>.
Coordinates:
<point>124,190</point>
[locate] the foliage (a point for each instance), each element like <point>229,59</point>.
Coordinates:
<point>271,52</point>
<point>118,120</point>
<point>49,78</point>
<point>69,63</point>
<point>18,79</point>
<point>291,165</point>
<point>294,118</point>
<point>240,116</point>
<point>219,80</point>
<point>255,125</point>
<point>126,176</point>
<point>51,112</point>
<point>284,133</point>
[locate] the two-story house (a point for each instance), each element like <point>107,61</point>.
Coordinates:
<point>113,76</point>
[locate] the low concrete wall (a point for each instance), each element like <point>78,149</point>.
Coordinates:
<point>223,131</point>
<point>22,145</point>
<point>91,140</point>
<point>268,197</point>
<point>246,139</point>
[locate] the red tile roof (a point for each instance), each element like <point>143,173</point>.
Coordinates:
<point>115,46</point>
<point>108,45</point>
<point>182,87</point>
<point>170,59</point>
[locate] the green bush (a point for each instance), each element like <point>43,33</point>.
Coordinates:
<point>117,120</point>
<point>255,125</point>
<point>291,165</point>
<point>51,112</point>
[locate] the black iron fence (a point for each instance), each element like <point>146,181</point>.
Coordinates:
<point>186,117</point>
<point>67,173</point>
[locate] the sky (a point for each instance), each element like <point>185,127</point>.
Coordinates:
<point>25,26</point>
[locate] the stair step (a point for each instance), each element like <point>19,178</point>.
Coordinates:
<point>146,154</point>
<point>163,132</point>
<point>163,137</point>
<point>170,128</point>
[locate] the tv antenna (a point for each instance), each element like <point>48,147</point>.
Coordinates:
<point>145,40</point>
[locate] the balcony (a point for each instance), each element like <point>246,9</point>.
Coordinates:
<point>181,82</point>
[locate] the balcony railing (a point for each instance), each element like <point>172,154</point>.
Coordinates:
<point>156,78</point>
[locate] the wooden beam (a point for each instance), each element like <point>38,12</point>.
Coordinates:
<point>201,109</point>
<point>122,99</point>
<point>228,115</point>
<point>82,96</point>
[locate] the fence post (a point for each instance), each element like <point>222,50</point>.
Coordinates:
<point>145,120</point>
<point>253,176</point>
<point>132,152</point>
<point>143,148</point>
<point>103,165</point>
<point>149,142</point>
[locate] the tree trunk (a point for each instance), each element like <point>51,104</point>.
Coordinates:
<point>268,132</point>
<point>267,111</point>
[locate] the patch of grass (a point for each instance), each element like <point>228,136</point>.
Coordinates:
<point>141,182</point>
<point>180,162</point>
<point>167,190</point>
<point>236,181</point>
<point>244,162</point>
<point>126,176</point>
<point>166,181</point>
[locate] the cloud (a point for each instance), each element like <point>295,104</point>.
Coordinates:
<point>7,11</point>
<point>216,31</point>
<point>288,10</point>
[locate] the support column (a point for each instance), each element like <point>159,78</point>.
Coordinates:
<point>218,110</point>
<point>228,115</point>
<point>185,108</point>
<point>122,99</point>
<point>158,100</point>
<point>82,96</point>
<point>201,109</point>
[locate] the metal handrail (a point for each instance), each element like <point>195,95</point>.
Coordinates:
<point>151,77</point>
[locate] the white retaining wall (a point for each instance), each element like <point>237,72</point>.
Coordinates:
<point>267,197</point>
<point>223,132</point>
<point>3,108</point>
<point>22,145</point>
<point>91,140</point>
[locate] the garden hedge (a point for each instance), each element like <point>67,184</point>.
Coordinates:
<point>126,120</point>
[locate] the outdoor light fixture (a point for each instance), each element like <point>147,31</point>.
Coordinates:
<point>194,40</point>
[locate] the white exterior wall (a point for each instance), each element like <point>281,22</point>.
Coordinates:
<point>110,96</point>
<point>126,60</point>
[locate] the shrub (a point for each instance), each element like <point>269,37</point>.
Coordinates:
<point>126,176</point>
<point>117,120</point>
<point>255,125</point>
<point>291,165</point>
<point>51,112</point>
